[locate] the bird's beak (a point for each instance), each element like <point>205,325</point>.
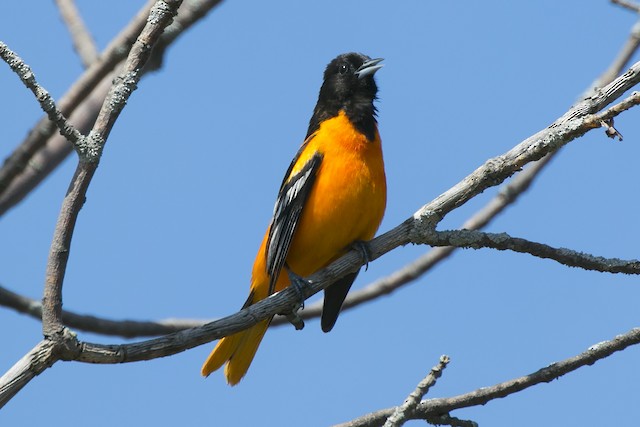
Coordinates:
<point>369,68</point>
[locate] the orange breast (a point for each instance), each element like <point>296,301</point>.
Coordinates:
<point>348,200</point>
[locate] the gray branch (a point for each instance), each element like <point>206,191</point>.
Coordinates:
<point>45,100</point>
<point>435,407</point>
<point>419,227</point>
<point>64,343</point>
<point>401,413</point>
<point>18,175</point>
<point>502,241</point>
<point>576,122</point>
<point>83,43</point>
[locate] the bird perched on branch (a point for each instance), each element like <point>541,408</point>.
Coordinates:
<point>333,197</point>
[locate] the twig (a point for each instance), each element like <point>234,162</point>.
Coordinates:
<point>45,100</point>
<point>31,365</point>
<point>621,60</point>
<point>574,123</point>
<point>38,136</point>
<point>123,328</point>
<point>56,149</point>
<point>401,413</point>
<point>85,146</point>
<point>502,241</point>
<point>627,4</point>
<point>630,101</point>
<point>160,17</point>
<point>59,342</point>
<point>82,41</point>
<point>434,407</point>
<point>34,150</point>
<point>448,420</point>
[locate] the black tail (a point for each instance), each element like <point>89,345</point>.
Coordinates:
<point>334,296</point>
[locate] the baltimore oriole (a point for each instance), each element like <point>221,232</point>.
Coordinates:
<point>333,196</point>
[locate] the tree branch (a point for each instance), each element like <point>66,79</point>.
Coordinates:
<point>34,159</point>
<point>507,195</point>
<point>43,130</point>
<point>31,365</point>
<point>400,414</point>
<point>123,328</point>
<point>448,420</point>
<point>65,344</point>
<point>160,16</point>
<point>634,7</point>
<point>386,285</point>
<point>45,100</point>
<point>481,396</point>
<point>56,150</point>
<point>403,233</point>
<point>577,121</point>
<point>574,123</point>
<point>502,241</point>
<point>82,41</point>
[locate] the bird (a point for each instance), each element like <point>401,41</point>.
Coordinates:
<point>332,198</point>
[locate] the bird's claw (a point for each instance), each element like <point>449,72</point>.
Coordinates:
<point>363,247</point>
<point>298,283</point>
<point>294,318</point>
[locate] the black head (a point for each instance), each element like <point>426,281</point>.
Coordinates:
<point>348,85</point>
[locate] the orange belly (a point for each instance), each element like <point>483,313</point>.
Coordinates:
<point>346,204</point>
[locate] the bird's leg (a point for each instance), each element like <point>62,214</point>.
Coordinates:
<point>362,246</point>
<point>297,282</point>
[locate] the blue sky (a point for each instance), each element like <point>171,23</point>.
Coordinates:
<point>187,182</point>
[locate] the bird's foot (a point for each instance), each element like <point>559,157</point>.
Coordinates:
<point>362,246</point>
<point>298,283</point>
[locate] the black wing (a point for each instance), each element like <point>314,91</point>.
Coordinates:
<point>286,213</point>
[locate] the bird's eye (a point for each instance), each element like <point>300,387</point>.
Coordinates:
<point>343,69</point>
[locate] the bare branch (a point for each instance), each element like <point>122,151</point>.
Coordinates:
<point>573,124</point>
<point>37,137</point>
<point>160,16</point>
<point>502,241</point>
<point>434,407</point>
<point>401,413</point>
<point>401,234</point>
<point>448,420</point>
<point>621,60</point>
<point>414,229</point>
<point>82,41</point>
<point>631,101</point>
<point>45,100</point>
<point>52,324</point>
<point>56,149</point>
<point>20,165</point>
<point>60,343</point>
<point>386,285</point>
<point>627,4</point>
<point>123,328</point>
<point>31,365</point>
<point>507,195</point>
